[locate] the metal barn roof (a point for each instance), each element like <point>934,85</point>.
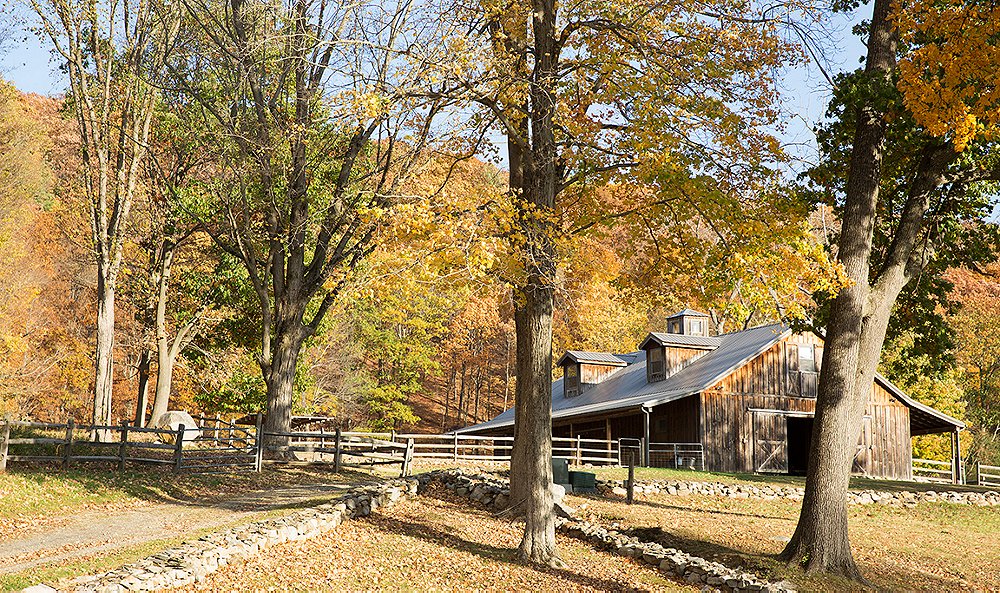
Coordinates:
<point>688,313</point>
<point>628,389</point>
<point>604,358</point>
<point>682,341</point>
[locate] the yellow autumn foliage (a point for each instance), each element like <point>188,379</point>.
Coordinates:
<point>948,76</point>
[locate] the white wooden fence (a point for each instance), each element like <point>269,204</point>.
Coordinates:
<point>987,475</point>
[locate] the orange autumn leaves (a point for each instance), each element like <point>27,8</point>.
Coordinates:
<point>948,77</point>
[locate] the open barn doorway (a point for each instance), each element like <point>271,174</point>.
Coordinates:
<point>799,439</point>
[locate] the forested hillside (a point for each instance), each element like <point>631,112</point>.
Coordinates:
<point>421,337</point>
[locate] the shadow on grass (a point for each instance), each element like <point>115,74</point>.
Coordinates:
<point>433,534</point>
<point>889,576</point>
<point>857,482</point>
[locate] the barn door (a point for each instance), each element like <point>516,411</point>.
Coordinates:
<point>770,449</point>
<point>863,458</point>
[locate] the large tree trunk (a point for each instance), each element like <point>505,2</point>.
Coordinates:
<point>854,338</point>
<point>531,466</point>
<point>104,381</point>
<point>281,385</point>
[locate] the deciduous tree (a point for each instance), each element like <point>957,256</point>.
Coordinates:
<point>114,52</point>
<point>919,198</point>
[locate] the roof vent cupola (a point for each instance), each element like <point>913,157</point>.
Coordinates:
<point>688,322</point>
<point>583,370</point>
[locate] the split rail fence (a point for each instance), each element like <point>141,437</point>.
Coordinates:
<point>215,446</point>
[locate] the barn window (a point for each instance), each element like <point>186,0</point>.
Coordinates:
<point>697,327</point>
<point>657,370</point>
<point>572,381</point>
<point>807,359</point>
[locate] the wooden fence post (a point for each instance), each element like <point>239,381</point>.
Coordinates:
<point>579,456</point>
<point>259,444</point>
<point>631,477</point>
<point>122,445</point>
<point>68,448</point>
<point>179,448</point>
<point>455,450</point>
<point>407,459</point>
<point>336,451</point>
<point>4,437</point>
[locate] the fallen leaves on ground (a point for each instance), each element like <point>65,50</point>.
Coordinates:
<point>430,544</point>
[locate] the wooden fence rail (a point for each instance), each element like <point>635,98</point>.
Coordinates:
<point>987,475</point>
<point>361,449</point>
<point>73,444</point>
<point>222,446</point>
<point>930,470</point>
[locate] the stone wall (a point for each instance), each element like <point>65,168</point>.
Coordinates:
<point>493,492</point>
<point>902,498</point>
<point>191,561</point>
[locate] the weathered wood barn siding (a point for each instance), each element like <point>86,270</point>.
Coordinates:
<point>675,422</point>
<point>744,417</point>
<point>624,425</point>
<point>592,374</point>
<point>885,449</point>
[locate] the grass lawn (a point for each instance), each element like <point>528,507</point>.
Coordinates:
<point>857,483</point>
<point>932,547</point>
<point>33,502</point>
<point>430,543</point>
<point>30,495</point>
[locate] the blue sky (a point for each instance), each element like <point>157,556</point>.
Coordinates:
<point>29,65</point>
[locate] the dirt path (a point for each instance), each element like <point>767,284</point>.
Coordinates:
<point>98,531</point>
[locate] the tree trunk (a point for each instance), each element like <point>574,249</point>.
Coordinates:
<point>142,397</point>
<point>164,379</point>
<point>104,381</point>
<point>281,386</point>
<point>854,338</point>
<point>531,466</point>
<point>164,359</point>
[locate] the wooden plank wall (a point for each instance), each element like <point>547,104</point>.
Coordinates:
<point>763,383</point>
<point>891,452</point>
<point>678,358</point>
<point>727,426</point>
<point>592,374</point>
<point>675,422</point>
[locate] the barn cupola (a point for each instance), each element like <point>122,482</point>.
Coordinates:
<point>583,370</point>
<point>689,323</point>
<point>686,341</point>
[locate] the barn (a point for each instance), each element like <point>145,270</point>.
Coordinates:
<point>744,400</point>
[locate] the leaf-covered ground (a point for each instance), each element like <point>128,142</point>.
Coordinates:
<point>932,547</point>
<point>56,523</point>
<point>430,543</point>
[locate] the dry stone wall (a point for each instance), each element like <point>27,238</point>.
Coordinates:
<point>902,498</point>
<point>192,561</point>
<point>493,492</point>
